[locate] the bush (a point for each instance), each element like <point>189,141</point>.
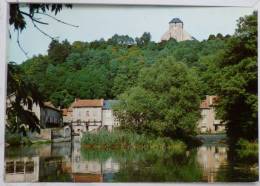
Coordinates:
<point>247,151</point>
<point>16,139</point>
<point>13,139</point>
<point>129,140</point>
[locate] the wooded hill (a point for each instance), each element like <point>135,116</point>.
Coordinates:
<point>122,67</point>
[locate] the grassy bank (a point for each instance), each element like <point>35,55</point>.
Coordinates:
<point>16,139</point>
<point>128,140</point>
<point>247,151</point>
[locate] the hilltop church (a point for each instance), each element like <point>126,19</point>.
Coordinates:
<point>176,31</point>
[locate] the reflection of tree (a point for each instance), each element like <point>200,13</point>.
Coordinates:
<point>150,166</point>
<point>237,170</point>
<point>161,169</point>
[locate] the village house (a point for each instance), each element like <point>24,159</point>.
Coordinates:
<point>86,115</point>
<point>48,115</point>
<point>90,115</point>
<point>22,169</point>
<point>208,122</point>
<point>50,119</point>
<point>176,31</point>
<point>109,120</point>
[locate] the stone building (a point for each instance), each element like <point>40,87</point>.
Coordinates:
<point>90,115</point>
<point>208,122</point>
<point>109,120</point>
<point>48,115</point>
<point>87,114</point>
<point>22,169</point>
<point>176,31</point>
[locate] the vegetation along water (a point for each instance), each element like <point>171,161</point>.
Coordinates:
<point>159,88</point>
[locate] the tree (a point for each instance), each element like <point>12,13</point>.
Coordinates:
<point>21,94</point>
<point>41,10</point>
<point>17,16</point>
<point>164,102</point>
<point>236,81</point>
<point>58,52</point>
<point>144,39</point>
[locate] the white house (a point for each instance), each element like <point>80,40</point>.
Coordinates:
<point>22,169</point>
<point>48,115</point>
<point>87,114</point>
<point>209,122</point>
<point>90,115</point>
<point>109,119</point>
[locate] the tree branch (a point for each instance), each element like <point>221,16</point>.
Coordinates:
<point>57,19</point>
<point>32,18</point>
<point>19,45</point>
<point>44,33</point>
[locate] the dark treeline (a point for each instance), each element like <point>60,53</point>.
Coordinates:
<point>160,83</point>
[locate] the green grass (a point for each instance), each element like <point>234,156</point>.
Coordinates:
<point>129,140</point>
<point>16,139</point>
<point>247,151</point>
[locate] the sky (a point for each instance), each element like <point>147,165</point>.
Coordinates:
<point>96,22</point>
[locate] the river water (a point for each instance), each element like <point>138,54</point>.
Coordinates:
<point>68,162</point>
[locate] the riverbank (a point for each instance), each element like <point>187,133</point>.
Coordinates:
<point>128,140</point>
<point>247,151</point>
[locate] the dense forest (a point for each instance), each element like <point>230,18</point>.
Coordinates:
<point>160,85</point>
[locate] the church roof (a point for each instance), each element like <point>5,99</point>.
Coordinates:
<point>175,20</point>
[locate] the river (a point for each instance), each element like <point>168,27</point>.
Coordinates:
<point>68,162</point>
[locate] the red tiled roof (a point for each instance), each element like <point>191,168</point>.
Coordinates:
<point>209,102</point>
<point>204,104</point>
<point>88,103</point>
<point>65,112</point>
<point>215,100</point>
<point>79,177</point>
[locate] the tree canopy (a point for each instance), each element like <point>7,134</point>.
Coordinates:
<point>159,85</point>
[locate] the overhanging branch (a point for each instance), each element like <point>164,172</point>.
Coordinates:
<point>69,24</point>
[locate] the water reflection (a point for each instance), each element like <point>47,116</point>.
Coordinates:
<point>67,162</point>
<point>211,158</point>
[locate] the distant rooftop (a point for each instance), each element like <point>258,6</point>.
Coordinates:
<point>175,20</point>
<point>87,103</point>
<point>109,103</point>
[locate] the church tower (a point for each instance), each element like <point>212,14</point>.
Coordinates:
<point>176,31</point>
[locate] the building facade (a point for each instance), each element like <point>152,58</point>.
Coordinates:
<point>176,31</point>
<point>90,115</point>
<point>109,119</point>
<point>208,122</point>
<point>48,115</point>
<point>86,115</point>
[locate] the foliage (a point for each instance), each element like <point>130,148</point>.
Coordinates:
<point>17,16</point>
<point>129,140</point>
<point>236,81</point>
<point>247,151</point>
<point>15,139</point>
<point>163,104</point>
<point>21,96</point>
<point>144,74</point>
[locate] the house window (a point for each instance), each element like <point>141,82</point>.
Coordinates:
<point>87,113</point>
<point>29,167</point>
<point>9,167</point>
<point>19,167</point>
